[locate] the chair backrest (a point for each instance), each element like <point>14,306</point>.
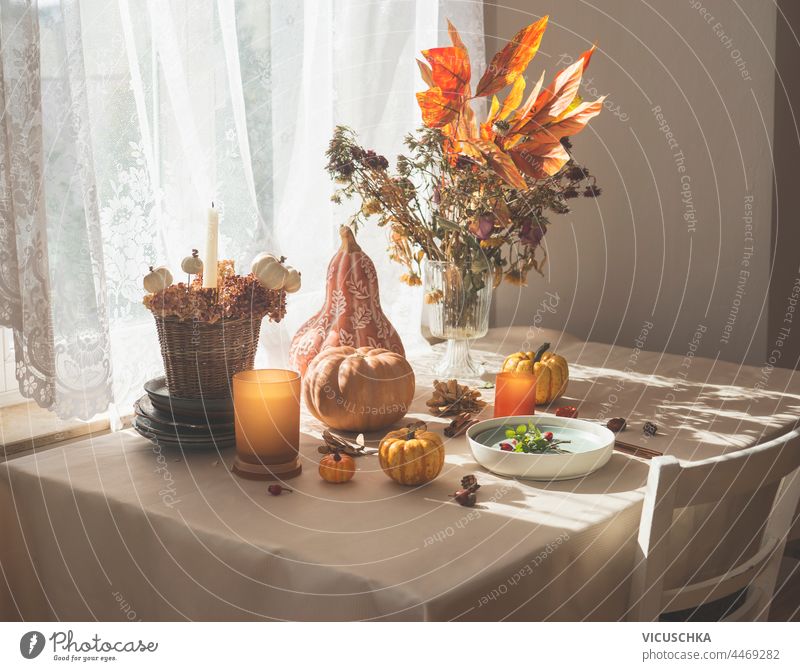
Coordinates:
<point>720,481</point>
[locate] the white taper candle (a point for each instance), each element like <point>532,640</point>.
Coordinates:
<point>210,260</point>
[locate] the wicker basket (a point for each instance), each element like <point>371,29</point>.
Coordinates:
<point>201,358</point>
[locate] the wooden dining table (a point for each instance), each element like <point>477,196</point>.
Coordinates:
<point>114,528</point>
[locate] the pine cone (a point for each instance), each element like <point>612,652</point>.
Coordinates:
<point>450,398</point>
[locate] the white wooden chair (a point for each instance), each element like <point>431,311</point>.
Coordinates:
<point>723,481</point>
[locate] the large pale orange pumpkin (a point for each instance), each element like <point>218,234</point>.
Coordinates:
<point>351,314</point>
<point>551,371</point>
<point>360,389</point>
<point>411,456</point>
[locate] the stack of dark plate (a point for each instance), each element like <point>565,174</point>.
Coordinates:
<point>183,423</point>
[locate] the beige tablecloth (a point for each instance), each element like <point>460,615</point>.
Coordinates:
<point>111,529</point>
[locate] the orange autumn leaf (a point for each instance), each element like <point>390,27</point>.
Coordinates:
<point>463,128</point>
<point>487,131</point>
<point>513,140</point>
<point>467,126</point>
<point>513,99</point>
<point>570,124</point>
<point>575,121</point>
<point>510,62</point>
<point>450,69</point>
<point>586,56</point>
<point>500,162</point>
<point>425,72</point>
<point>455,38</point>
<point>519,116</point>
<point>437,108</point>
<point>556,98</point>
<point>539,160</point>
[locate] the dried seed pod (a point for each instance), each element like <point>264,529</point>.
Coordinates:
<point>617,424</point>
<point>336,444</point>
<point>465,497</point>
<point>450,398</point>
<point>650,429</point>
<point>459,425</point>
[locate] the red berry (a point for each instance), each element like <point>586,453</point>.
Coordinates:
<point>548,436</point>
<point>567,411</point>
<point>506,447</point>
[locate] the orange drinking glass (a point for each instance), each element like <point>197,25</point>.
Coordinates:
<point>514,394</point>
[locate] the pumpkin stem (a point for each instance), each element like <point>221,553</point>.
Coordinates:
<point>337,456</point>
<point>195,253</point>
<point>411,429</point>
<point>151,269</point>
<point>540,352</point>
<point>349,244</point>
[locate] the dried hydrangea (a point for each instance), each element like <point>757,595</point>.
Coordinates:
<point>237,297</point>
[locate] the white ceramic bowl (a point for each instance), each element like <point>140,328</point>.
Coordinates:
<point>590,448</point>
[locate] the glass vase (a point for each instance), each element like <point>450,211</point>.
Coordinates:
<point>458,297</point>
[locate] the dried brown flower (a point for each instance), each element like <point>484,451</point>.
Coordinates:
<point>236,297</point>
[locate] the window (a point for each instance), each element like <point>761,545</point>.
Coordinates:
<point>9,390</point>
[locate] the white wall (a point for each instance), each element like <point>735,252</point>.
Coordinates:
<point>630,258</point>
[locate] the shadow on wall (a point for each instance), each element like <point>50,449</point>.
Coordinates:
<point>682,235</point>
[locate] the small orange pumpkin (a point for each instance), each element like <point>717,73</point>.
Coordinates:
<point>337,468</point>
<point>411,456</point>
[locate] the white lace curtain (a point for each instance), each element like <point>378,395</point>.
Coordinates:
<point>123,119</point>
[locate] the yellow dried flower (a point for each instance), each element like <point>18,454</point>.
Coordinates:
<point>491,243</point>
<point>411,279</point>
<point>372,206</point>
<point>434,296</point>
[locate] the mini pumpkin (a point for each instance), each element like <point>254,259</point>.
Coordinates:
<point>269,270</point>
<point>337,468</point>
<point>157,279</point>
<point>360,389</point>
<point>192,265</point>
<point>292,282</point>
<point>551,371</point>
<point>411,456</point>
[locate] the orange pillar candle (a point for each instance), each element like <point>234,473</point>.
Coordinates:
<point>266,407</point>
<point>514,394</point>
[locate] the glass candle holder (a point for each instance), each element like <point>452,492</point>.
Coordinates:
<point>514,394</point>
<point>266,407</point>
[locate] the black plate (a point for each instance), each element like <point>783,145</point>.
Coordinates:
<point>195,407</point>
<point>166,421</point>
<point>167,432</point>
<point>181,444</point>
